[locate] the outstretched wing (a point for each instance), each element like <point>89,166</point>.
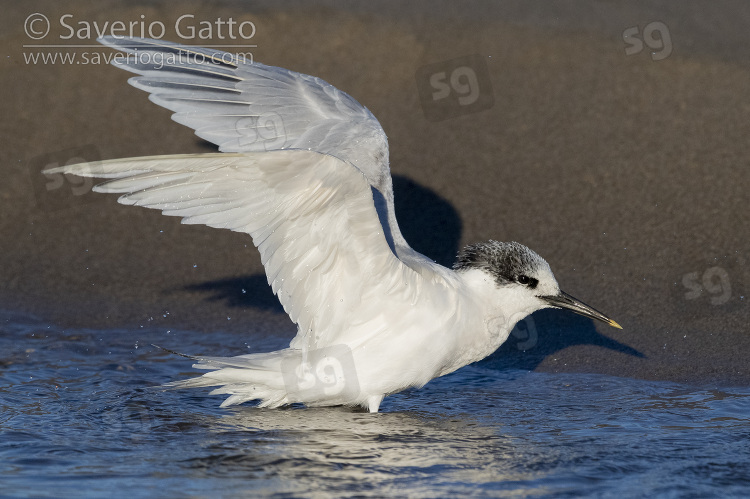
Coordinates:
<point>311,216</point>
<point>249,107</point>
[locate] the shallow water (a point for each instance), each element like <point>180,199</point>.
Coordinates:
<point>81,414</point>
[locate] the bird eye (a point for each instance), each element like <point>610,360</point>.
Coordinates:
<point>522,279</point>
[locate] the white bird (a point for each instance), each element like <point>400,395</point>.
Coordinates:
<point>303,168</point>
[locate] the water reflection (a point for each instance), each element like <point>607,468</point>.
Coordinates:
<point>338,445</point>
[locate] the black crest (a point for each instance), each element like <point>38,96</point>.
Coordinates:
<point>506,262</point>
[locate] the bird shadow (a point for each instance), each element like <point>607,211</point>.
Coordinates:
<point>433,227</point>
<point>427,221</point>
<point>546,332</point>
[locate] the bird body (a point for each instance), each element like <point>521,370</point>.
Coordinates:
<point>447,323</point>
<point>303,169</point>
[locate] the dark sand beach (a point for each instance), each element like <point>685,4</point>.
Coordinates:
<point>623,162</point>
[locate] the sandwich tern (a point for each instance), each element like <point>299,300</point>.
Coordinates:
<point>303,169</point>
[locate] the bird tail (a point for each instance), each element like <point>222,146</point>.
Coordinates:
<point>244,378</point>
<point>315,378</point>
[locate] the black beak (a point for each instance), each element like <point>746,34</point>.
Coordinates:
<point>564,300</point>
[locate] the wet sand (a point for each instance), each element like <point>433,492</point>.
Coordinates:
<point>628,173</point>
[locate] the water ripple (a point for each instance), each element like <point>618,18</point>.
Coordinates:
<point>83,410</point>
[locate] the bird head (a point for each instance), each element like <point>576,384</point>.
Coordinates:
<point>522,278</point>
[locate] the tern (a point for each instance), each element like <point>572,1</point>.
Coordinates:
<point>303,169</point>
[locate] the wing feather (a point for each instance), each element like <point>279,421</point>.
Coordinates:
<point>251,107</point>
<point>311,216</point>
<point>268,107</point>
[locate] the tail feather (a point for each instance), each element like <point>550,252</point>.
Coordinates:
<point>244,378</point>
<point>258,361</point>
<point>277,378</point>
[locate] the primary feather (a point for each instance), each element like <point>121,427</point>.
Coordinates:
<point>244,107</point>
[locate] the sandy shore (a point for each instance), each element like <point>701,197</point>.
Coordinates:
<point>622,161</point>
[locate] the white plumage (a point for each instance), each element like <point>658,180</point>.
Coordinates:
<point>304,171</point>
